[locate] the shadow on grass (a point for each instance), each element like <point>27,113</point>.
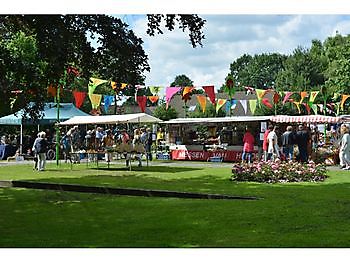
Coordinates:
<point>158,169</point>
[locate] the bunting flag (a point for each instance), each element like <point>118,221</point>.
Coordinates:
<point>287,96</point>
<point>219,104</point>
<point>233,104</point>
<point>210,92</point>
<point>336,95</point>
<point>252,106</point>
<point>73,70</point>
<point>303,94</point>
<point>297,104</point>
<point>266,102</point>
<point>186,93</point>
<point>321,107</point>
<point>260,93</point>
<point>307,107</point>
<point>314,108</point>
<point>202,100</point>
<point>249,90</point>
<point>169,93</point>
<point>337,107</point>
<point>93,83</point>
<point>313,95</point>
<point>95,100</point>
<point>52,91</point>
<point>192,108</point>
<point>155,89</point>
<point>12,102</point>
<point>276,97</point>
<point>141,101</point>
<point>108,100</point>
<point>244,105</point>
<point>153,99</point>
<point>116,86</point>
<point>79,97</point>
<point>343,99</point>
<point>228,106</point>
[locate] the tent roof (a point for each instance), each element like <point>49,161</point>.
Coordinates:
<point>218,119</point>
<point>112,119</point>
<point>67,110</point>
<point>277,119</point>
<point>305,119</point>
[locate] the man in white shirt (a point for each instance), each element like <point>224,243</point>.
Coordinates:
<point>273,149</point>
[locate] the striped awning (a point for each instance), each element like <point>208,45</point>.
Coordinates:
<point>305,119</point>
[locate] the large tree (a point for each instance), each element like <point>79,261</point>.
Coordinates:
<point>258,71</point>
<point>303,69</point>
<point>64,40</point>
<point>97,45</point>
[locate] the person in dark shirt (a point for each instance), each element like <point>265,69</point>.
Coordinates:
<point>302,139</point>
<point>288,138</point>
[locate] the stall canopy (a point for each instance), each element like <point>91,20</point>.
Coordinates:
<point>112,119</point>
<point>218,119</point>
<point>305,119</point>
<point>67,111</point>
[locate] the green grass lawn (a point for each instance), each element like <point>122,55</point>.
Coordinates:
<point>288,215</point>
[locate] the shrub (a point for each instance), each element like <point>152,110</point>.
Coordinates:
<point>278,172</point>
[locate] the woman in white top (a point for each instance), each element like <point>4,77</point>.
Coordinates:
<point>273,149</point>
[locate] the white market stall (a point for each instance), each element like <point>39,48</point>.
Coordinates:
<point>183,146</point>
<point>112,119</point>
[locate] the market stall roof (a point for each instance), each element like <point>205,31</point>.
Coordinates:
<point>112,119</point>
<point>218,119</point>
<point>67,110</point>
<point>305,119</point>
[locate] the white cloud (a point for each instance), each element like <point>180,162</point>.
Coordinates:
<point>228,37</point>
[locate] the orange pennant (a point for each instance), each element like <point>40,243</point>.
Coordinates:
<point>153,99</point>
<point>202,101</point>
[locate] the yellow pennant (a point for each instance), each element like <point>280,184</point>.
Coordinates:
<point>219,104</point>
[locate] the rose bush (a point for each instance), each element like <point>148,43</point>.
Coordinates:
<point>278,172</point>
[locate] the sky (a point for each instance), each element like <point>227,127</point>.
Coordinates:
<point>227,37</point>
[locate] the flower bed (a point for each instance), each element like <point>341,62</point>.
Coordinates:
<point>278,172</point>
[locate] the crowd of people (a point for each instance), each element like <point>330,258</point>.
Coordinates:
<point>278,145</point>
<point>109,141</point>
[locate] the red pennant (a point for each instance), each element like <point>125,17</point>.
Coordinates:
<point>141,101</point>
<point>276,98</point>
<point>51,91</point>
<point>266,102</point>
<point>210,92</point>
<point>79,97</point>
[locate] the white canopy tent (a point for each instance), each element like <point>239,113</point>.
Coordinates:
<point>112,119</point>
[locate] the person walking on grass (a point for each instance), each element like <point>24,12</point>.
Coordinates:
<point>36,154</point>
<point>344,151</point>
<point>248,146</point>
<point>41,148</point>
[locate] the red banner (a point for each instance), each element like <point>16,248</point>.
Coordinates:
<point>205,155</point>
